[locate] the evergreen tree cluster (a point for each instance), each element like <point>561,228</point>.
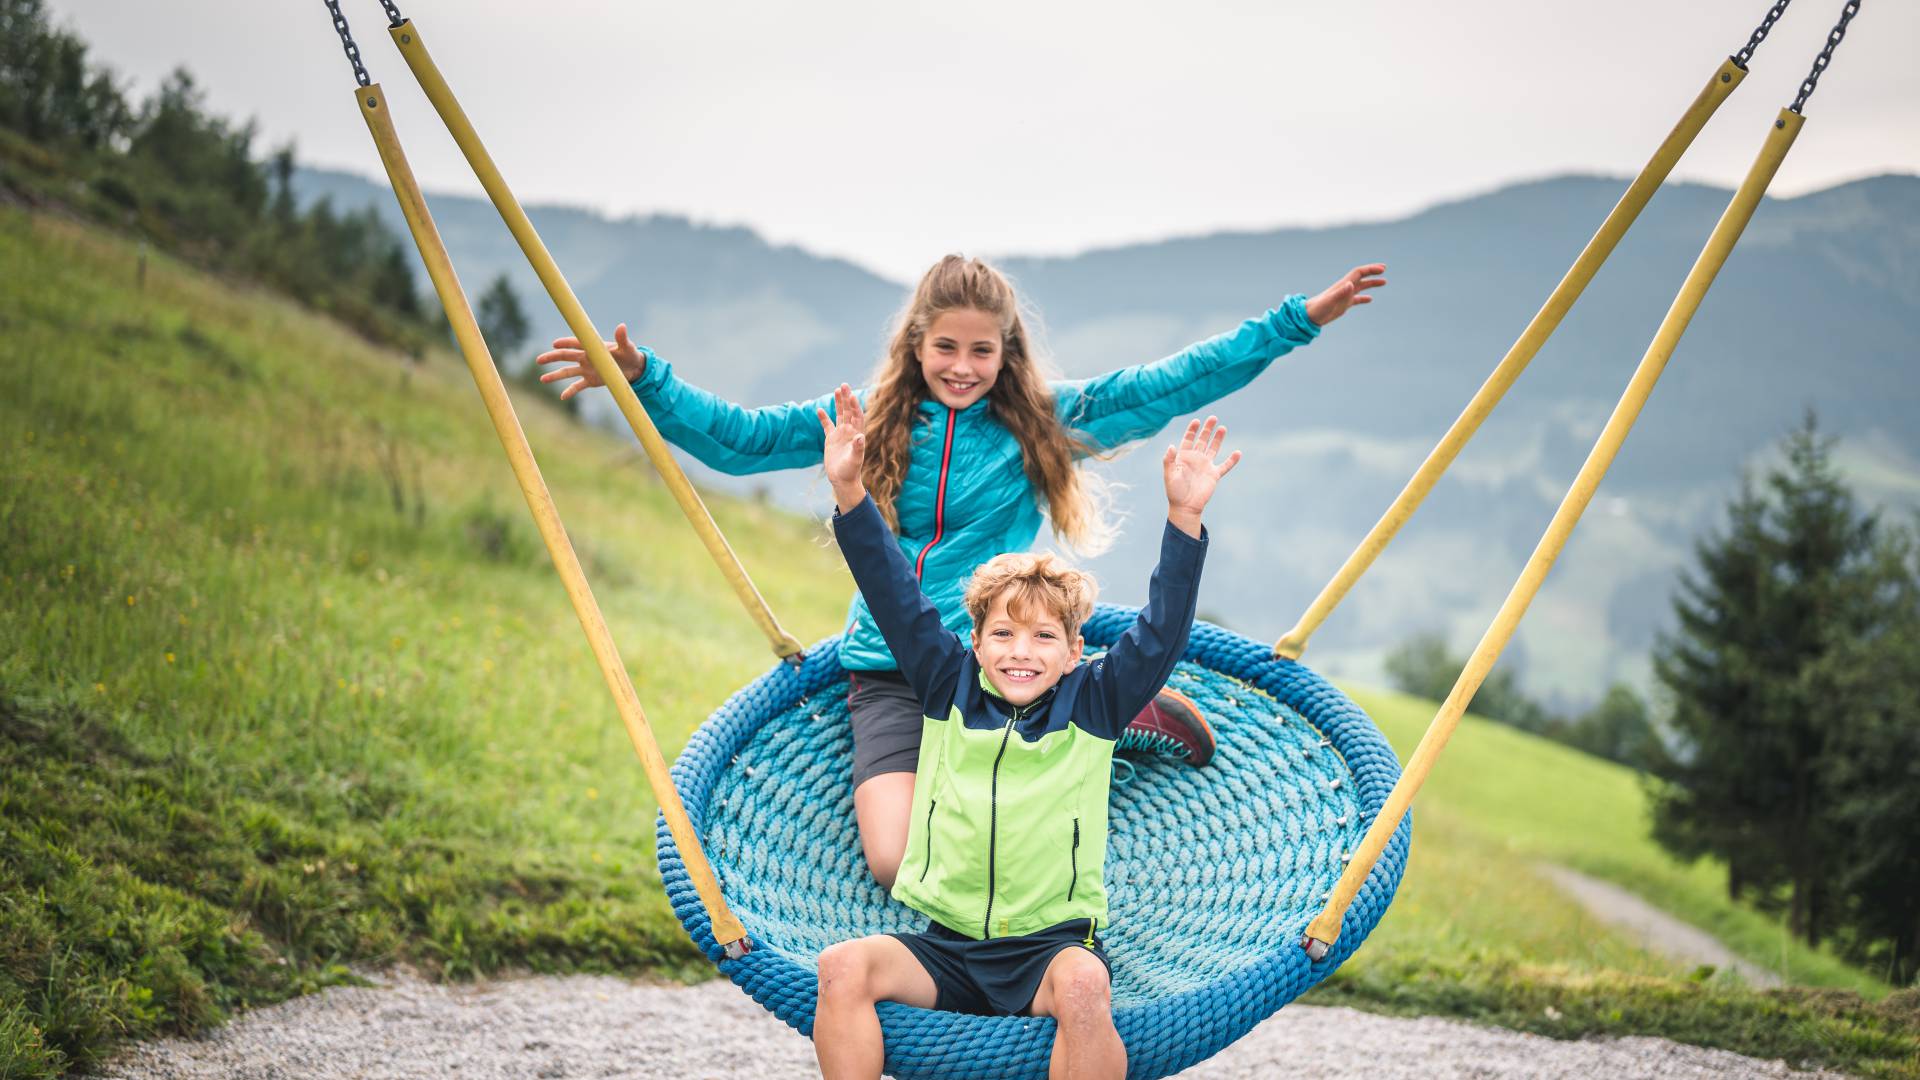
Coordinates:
<point>1794,673</point>
<point>189,180</point>
<point>1617,728</point>
<point>1791,750</point>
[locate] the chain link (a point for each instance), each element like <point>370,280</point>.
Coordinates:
<point>1820,62</point>
<point>1760,33</point>
<point>394,18</point>
<point>346,41</point>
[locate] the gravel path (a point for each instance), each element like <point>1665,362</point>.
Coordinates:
<point>583,1027</point>
<point>1652,928</point>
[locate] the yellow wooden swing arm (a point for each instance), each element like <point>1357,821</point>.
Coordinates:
<point>1324,930</point>
<point>727,930</point>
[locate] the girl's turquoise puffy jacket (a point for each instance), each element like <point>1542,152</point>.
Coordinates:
<point>966,497</point>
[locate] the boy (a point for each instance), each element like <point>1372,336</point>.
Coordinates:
<point>1009,827</point>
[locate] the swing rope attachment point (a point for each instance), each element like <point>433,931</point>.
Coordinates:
<point>1826,55</point>
<point>346,42</point>
<point>1760,33</point>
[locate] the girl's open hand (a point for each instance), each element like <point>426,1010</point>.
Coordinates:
<point>567,350</point>
<point>1349,291</point>
<point>1191,474</point>
<point>846,445</point>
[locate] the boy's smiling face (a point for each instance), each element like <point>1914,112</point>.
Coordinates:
<point>1024,657</point>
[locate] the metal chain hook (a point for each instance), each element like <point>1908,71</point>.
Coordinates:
<point>1760,33</point>
<point>346,41</point>
<point>1826,55</point>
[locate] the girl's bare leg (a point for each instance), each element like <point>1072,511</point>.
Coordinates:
<point>883,805</point>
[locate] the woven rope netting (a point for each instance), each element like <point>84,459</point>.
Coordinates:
<point>1212,873</point>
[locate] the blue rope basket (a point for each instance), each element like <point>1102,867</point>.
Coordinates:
<point>1212,873</point>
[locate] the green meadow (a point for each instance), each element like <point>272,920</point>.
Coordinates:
<point>288,686</point>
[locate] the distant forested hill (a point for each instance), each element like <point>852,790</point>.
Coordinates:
<point>1819,307</point>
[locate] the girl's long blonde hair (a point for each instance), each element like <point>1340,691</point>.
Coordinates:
<point>1019,399</point>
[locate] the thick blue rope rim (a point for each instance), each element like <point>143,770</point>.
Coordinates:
<point>1163,1033</point>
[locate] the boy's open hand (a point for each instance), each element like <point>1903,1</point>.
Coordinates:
<point>567,350</point>
<point>1349,291</point>
<point>1191,474</point>
<point>846,447</point>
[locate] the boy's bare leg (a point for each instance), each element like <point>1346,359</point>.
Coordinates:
<point>1078,994</point>
<point>883,805</point>
<point>853,976</point>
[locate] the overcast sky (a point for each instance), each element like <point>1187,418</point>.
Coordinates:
<point>890,132</point>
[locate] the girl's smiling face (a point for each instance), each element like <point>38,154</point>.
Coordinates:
<point>960,356</point>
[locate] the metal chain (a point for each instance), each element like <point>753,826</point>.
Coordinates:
<point>1760,33</point>
<point>394,18</point>
<point>346,40</point>
<point>1820,62</point>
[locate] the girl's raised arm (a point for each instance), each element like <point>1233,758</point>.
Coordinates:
<point>717,432</point>
<point>1133,403</point>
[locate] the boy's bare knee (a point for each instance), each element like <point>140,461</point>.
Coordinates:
<point>843,972</point>
<point>1082,991</point>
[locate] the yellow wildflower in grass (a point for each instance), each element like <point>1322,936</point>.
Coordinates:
<point>183,618</point>
<point>487,666</point>
<point>99,688</point>
<point>129,599</point>
<point>397,642</point>
<point>169,658</point>
<point>340,684</point>
<point>593,793</point>
<point>597,857</point>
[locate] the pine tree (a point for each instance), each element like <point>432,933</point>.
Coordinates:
<point>503,322</point>
<point>1764,672</point>
<point>1875,768</point>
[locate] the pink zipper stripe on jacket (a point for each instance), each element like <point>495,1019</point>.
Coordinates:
<point>940,499</point>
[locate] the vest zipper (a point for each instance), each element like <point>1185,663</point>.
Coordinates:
<point>940,497</point>
<point>928,863</point>
<point>993,818</point>
<point>1075,856</point>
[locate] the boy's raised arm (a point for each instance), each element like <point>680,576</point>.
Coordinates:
<point>930,655</point>
<point>1137,666</point>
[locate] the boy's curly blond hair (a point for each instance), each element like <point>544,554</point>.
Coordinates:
<point>1032,584</point>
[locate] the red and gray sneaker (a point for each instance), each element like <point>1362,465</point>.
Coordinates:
<point>1173,726</point>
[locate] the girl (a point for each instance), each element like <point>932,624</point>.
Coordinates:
<point>969,446</point>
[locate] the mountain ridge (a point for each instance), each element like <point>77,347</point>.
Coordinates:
<point>1818,308</point>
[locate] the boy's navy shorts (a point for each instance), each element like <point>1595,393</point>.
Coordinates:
<point>998,976</point>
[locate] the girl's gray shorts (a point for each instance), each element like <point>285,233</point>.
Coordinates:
<point>886,717</point>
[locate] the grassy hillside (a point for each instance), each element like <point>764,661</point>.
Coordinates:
<point>287,684</point>
<point>1476,931</point>
<point>288,680</point>
<point>1501,801</point>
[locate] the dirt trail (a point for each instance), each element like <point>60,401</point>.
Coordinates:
<point>1652,928</point>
